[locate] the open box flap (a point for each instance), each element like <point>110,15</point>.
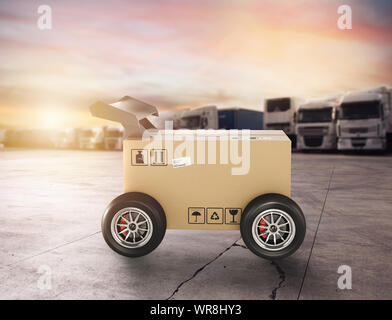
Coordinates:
<point>131,113</point>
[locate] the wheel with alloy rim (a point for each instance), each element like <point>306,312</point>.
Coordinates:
<point>131,227</point>
<point>134,224</point>
<point>273,226</point>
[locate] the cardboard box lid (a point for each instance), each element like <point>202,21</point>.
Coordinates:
<point>131,113</point>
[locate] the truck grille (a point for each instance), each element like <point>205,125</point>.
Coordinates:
<point>358,130</point>
<point>278,126</point>
<point>313,141</point>
<point>312,131</point>
<point>358,142</point>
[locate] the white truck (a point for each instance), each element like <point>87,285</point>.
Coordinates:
<point>3,133</point>
<point>210,117</point>
<point>90,138</point>
<point>174,116</point>
<point>279,115</point>
<point>199,118</point>
<point>315,124</point>
<point>64,139</point>
<point>365,120</point>
<point>113,137</point>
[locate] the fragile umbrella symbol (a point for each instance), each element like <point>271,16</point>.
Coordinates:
<point>196,214</point>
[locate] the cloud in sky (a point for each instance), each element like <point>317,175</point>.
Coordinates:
<point>177,53</point>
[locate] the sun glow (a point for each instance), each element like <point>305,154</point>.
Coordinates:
<point>51,119</point>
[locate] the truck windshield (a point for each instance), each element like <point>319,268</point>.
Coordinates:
<point>360,110</point>
<point>191,122</point>
<point>276,105</point>
<point>315,115</point>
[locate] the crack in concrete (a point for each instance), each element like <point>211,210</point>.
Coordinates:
<point>282,277</point>
<point>315,234</point>
<point>235,244</point>
<point>49,250</point>
<point>239,245</point>
<point>282,274</point>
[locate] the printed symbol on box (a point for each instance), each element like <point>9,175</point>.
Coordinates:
<point>215,215</point>
<point>232,215</point>
<point>196,215</point>
<point>158,157</point>
<point>139,157</point>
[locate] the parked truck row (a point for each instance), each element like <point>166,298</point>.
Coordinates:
<point>358,120</point>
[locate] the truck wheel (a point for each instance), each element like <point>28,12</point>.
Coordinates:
<point>273,226</point>
<point>134,224</point>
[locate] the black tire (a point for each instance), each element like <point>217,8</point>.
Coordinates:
<point>142,202</point>
<point>260,205</point>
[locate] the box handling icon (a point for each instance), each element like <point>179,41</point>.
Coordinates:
<point>169,184</point>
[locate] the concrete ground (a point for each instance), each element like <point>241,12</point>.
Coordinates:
<point>51,203</point>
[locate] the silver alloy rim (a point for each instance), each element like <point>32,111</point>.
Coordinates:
<point>131,227</point>
<point>273,229</point>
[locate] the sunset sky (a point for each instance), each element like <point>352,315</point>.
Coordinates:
<point>179,53</point>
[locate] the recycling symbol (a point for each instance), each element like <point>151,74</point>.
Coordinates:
<point>214,216</point>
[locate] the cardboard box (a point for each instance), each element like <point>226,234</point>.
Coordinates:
<point>200,179</point>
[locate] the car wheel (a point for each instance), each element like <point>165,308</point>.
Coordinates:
<point>273,226</point>
<point>133,224</point>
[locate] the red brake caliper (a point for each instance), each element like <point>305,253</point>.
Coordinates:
<point>262,228</point>
<point>122,221</point>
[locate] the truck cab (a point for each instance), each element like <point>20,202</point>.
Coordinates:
<point>279,115</point>
<point>200,118</point>
<point>2,137</point>
<point>316,125</point>
<point>64,139</point>
<point>113,137</point>
<point>166,116</point>
<point>364,121</point>
<point>90,138</point>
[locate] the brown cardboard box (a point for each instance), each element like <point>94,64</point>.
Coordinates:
<point>197,195</point>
